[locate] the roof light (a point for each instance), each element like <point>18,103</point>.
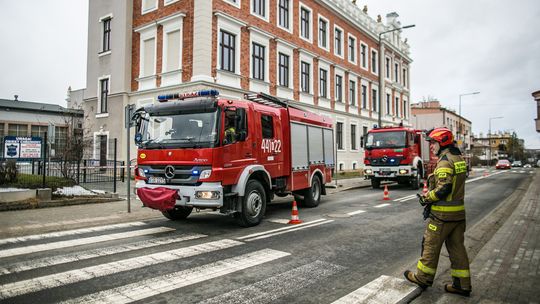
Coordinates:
<point>182,96</point>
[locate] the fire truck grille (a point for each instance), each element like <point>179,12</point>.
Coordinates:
<point>174,175</point>
<point>385,161</point>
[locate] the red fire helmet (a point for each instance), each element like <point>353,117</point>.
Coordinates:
<point>441,135</point>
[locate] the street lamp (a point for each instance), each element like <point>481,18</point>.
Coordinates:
<point>381,77</point>
<point>489,136</point>
<point>460,130</point>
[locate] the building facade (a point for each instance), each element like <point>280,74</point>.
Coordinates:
<point>322,54</point>
<point>430,114</point>
<point>498,145</point>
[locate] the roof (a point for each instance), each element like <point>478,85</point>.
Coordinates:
<point>37,106</point>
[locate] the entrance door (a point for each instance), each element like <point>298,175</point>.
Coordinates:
<point>102,140</point>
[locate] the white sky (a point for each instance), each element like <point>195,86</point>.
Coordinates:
<point>458,46</point>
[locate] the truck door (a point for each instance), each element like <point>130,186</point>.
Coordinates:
<point>270,144</point>
<point>237,142</point>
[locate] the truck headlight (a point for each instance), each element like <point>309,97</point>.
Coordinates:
<point>207,195</point>
<point>141,172</point>
<point>368,171</point>
<point>403,171</point>
<point>205,174</point>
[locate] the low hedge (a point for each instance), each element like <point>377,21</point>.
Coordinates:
<point>30,181</point>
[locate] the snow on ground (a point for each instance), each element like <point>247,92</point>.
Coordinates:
<point>12,189</point>
<point>75,191</point>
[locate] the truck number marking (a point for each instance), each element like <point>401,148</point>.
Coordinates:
<point>271,145</point>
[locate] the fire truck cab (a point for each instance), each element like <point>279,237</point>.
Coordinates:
<point>231,155</point>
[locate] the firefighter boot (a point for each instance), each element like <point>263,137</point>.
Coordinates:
<point>411,277</point>
<point>453,289</point>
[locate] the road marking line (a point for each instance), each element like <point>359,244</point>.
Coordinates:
<point>381,205</point>
<point>279,229</point>
<point>275,287</point>
<point>69,232</point>
<point>94,253</point>
<point>384,289</point>
<point>356,212</point>
<point>83,241</point>
<point>279,221</point>
<point>405,198</point>
<point>158,285</point>
<point>73,276</point>
<point>290,230</point>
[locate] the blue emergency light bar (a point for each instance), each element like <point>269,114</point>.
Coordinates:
<point>182,96</point>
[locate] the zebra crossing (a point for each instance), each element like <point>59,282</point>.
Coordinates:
<point>48,266</point>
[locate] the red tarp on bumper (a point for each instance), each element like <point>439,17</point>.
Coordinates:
<point>158,198</point>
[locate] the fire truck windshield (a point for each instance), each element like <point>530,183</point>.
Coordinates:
<point>395,139</point>
<point>190,130</point>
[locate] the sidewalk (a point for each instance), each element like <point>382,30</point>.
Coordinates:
<point>506,269</point>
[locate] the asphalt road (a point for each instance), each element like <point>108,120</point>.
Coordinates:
<point>351,239</point>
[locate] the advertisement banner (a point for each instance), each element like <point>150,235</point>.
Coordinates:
<point>21,147</point>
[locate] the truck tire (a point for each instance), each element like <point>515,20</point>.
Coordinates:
<point>375,183</point>
<point>415,181</point>
<point>178,213</point>
<point>312,195</point>
<point>253,205</point>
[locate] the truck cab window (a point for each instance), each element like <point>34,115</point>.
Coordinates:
<point>267,124</point>
<point>230,127</point>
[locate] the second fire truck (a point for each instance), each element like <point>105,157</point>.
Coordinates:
<point>198,150</point>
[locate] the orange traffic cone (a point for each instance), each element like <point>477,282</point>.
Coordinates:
<point>485,173</point>
<point>386,198</point>
<point>425,190</point>
<point>294,215</point>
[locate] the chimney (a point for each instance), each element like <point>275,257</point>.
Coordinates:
<point>16,98</point>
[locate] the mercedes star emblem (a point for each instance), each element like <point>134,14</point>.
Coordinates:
<point>169,172</point>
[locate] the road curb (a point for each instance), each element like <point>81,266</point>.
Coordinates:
<point>34,204</point>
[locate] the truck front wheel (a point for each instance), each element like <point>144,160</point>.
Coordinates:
<point>178,213</point>
<point>375,183</point>
<point>253,205</point>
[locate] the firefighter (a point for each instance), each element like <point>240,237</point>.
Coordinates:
<point>230,130</point>
<point>446,222</point>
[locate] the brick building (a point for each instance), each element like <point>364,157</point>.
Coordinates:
<point>430,114</point>
<point>322,54</point>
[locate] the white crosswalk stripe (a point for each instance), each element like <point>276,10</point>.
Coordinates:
<point>271,289</point>
<point>94,253</point>
<point>68,277</point>
<point>69,232</point>
<point>82,241</point>
<point>384,289</point>
<point>155,286</point>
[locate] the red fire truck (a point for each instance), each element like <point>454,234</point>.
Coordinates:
<point>396,154</point>
<point>198,150</point>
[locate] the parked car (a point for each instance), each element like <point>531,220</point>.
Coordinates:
<point>517,163</point>
<point>503,164</point>
<point>527,166</point>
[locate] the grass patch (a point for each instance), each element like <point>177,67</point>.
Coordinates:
<point>348,174</point>
<point>36,181</point>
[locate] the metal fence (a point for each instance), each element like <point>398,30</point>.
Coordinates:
<point>103,174</point>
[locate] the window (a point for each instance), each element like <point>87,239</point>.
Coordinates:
<point>374,99</point>
<point>339,88</point>
<point>339,135</point>
<point>387,67</point>
<point>338,41</point>
<point>267,125</point>
<point>396,72</point>
<point>323,32</point>
<point>37,131</point>
<point>364,131</point>
<point>17,130</point>
<point>258,7</point>
<point>283,7</point>
<point>106,35</point>
<point>363,55</point>
<point>227,45</point>
<point>353,137</point>
<point>104,92</point>
<point>364,97</point>
<point>323,83</point>
<point>304,81</point>
<point>404,77</point>
<point>60,137</point>
<point>283,70</point>
<point>387,103</point>
<point>352,93</point>
<point>171,54</point>
<point>258,61</point>
<point>148,6</point>
<point>405,109</point>
<point>397,106</point>
<point>352,49</point>
<point>374,61</point>
<point>149,59</point>
<point>305,23</point>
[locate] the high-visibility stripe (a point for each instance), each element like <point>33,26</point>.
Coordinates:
<point>461,273</point>
<point>448,208</point>
<point>425,269</point>
<point>432,196</point>
<point>443,170</point>
<point>460,167</point>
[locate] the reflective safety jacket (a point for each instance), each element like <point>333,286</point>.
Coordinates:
<point>447,186</point>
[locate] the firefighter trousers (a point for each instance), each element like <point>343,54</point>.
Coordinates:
<point>452,234</point>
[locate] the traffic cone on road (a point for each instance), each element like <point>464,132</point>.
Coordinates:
<point>294,215</point>
<point>486,173</point>
<point>386,197</point>
<point>425,190</point>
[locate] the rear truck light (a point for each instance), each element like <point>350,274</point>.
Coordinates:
<point>207,195</point>
<point>403,171</point>
<point>368,171</point>
<point>205,174</point>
